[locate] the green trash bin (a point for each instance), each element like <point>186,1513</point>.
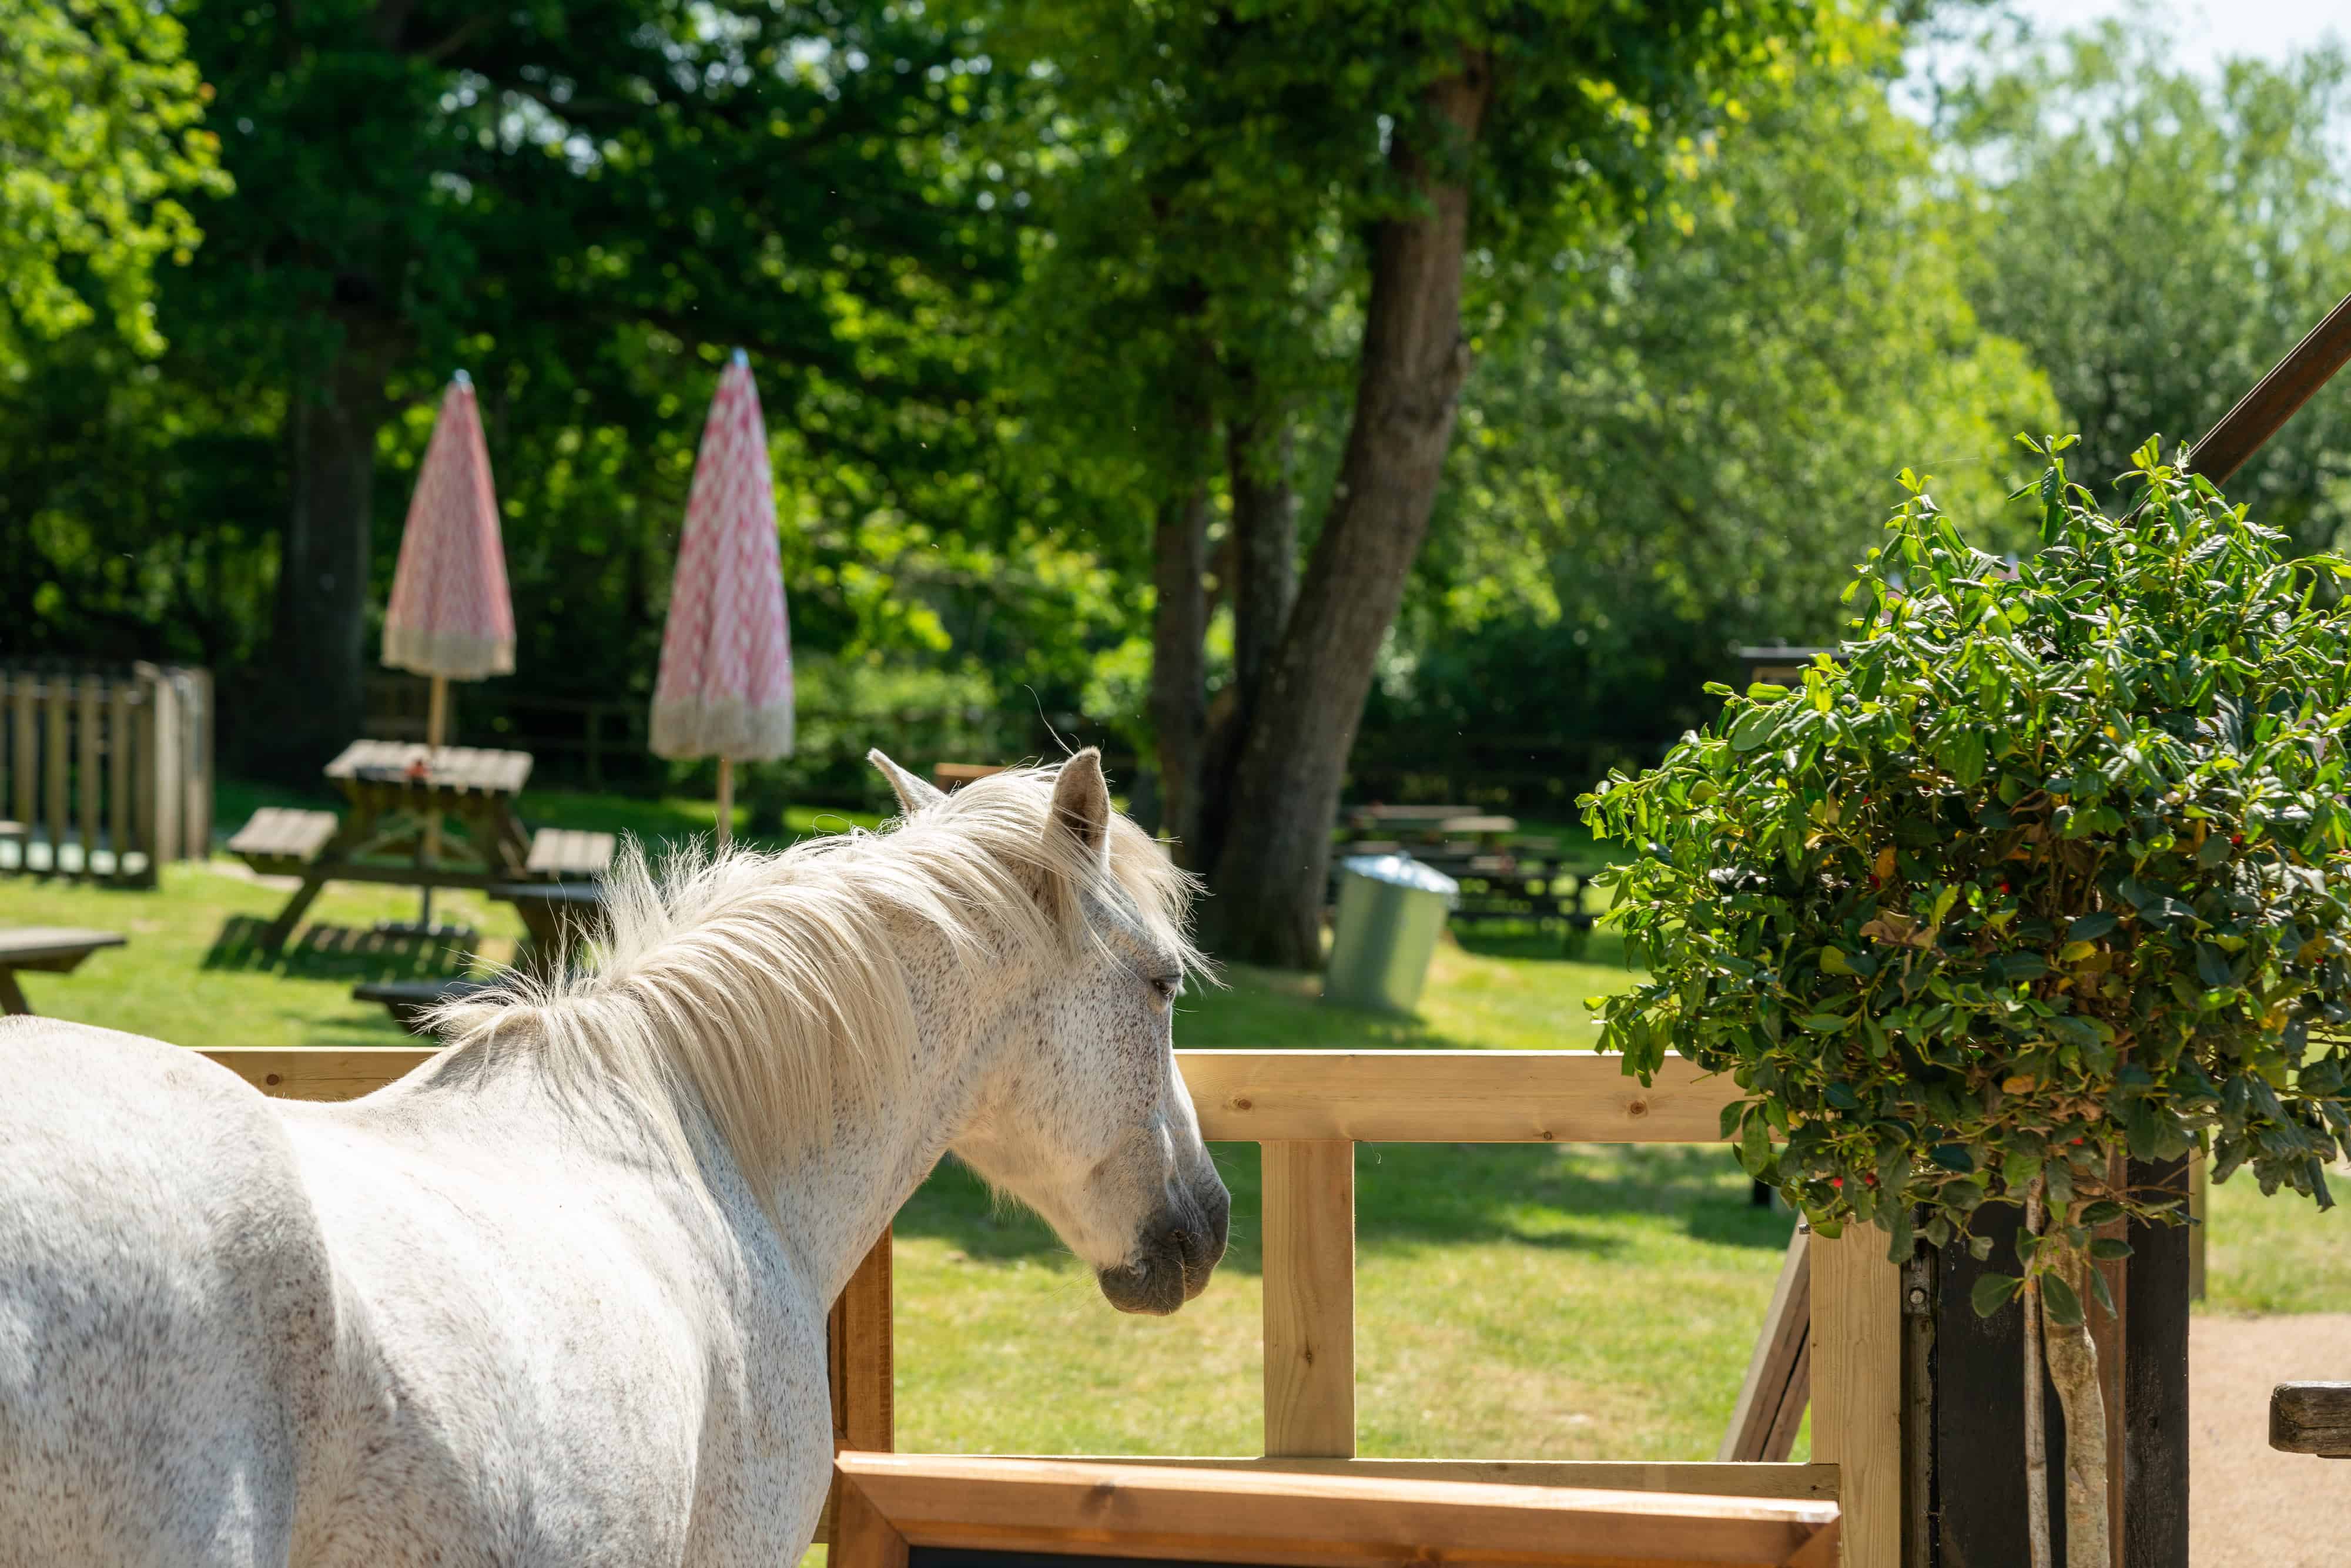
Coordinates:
<point>1392,909</point>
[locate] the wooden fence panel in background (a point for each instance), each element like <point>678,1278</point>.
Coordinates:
<point>109,772</point>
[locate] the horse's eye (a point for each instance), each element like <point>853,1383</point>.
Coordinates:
<point>1164,986</point>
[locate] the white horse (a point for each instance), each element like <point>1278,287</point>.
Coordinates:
<point>559,1296</point>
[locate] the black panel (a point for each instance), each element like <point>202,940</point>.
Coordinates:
<point>1978,1368</point>
<point>2155,1384</point>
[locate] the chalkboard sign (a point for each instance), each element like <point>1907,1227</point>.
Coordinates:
<point>942,1510</point>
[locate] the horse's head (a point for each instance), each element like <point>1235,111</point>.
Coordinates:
<point>1081,1114</point>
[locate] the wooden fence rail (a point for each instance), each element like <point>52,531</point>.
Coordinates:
<point>1308,1109</point>
<point>105,774</point>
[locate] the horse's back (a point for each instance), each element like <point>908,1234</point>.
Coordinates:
<point>166,1306</point>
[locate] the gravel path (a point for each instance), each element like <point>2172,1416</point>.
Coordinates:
<point>2251,1506</point>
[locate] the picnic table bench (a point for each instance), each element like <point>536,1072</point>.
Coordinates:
<point>397,790</point>
<point>409,1000</point>
<point>1504,876</point>
<point>58,949</point>
<point>558,915</point>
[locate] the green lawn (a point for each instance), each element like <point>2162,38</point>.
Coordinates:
<point>1532,1302</point>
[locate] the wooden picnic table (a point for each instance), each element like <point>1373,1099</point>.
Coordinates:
<point>58,949</point>
<point>397,789</point>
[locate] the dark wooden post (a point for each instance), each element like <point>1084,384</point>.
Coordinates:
<point>2154,1450</point>
<point>1974,1500</point>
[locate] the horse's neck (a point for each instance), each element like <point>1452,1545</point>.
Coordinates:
<point>835,1196</point>
<point>830,1200</point>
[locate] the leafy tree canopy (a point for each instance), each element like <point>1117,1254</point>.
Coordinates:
<point>2157,238</point>
<point>98,140</point>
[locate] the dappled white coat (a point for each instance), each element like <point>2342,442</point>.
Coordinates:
<point>559,1296</point>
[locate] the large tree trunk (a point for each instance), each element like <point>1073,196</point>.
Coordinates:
<point>322,581</point>
<point>1269,872</point>
<point>1179,693</point>
<point>1264,546</point>
<point>1260,582</point>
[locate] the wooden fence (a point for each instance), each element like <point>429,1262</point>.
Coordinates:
<point>1308,1110</point>
<point>104,773</point>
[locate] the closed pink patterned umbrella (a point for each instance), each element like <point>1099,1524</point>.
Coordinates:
<point>726,684</point>
<point>450,616</point>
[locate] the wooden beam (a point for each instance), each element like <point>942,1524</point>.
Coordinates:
<point>1449,1096</point>
<point>1856,1376</point>
<point>861,1363</point>
<point>1778,1385</point>
<point>864,1409</point>
<point>1277,1096</point>
<point>1166,1512</point>
<point>1310,1299</point>
<point>2260,414</point>
<point>321,1071</point>
<point>2312,1418</point>
<point>1815,1483</point>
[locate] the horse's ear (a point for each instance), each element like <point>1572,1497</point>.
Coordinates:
<point>913,793</point>
<point>1081,803</point>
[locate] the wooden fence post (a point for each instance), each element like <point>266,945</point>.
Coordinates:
<point>147,810</point>
<point>119,749</point>
<point>21,767</point>
<point>860,1363</point>
<point>1310,1299</point>
<point>85,767</point>
<point>56,763</point>
<point>1856,1375</point>
<point>164,766</point>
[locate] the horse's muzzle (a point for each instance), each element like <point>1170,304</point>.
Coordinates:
<point>1180,1250</point>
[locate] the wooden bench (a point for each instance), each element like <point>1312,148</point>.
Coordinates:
<point>563,854</point>
<point>279,840</point>
<point>58,949</point>
<point>408,1001</point>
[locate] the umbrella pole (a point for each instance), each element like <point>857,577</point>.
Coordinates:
<point>437,729</point>
<point>726,802</point>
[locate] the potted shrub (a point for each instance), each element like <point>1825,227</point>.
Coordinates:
<point>2050,870</point>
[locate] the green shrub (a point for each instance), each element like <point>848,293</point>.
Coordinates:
<point>2051,867</point>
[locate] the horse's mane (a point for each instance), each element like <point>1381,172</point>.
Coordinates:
<point>763,988</point>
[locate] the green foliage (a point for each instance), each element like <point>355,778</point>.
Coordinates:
<point>99,139</point>
<point>1682,450</point>
<point>1202,180</point>
<point>2052,869</point>
<point>2116,200</point>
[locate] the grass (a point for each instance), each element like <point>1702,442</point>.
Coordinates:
<point>2277,1254</point>
<point>1527,1301</point>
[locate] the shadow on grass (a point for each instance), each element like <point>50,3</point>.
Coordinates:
<point>1411,1196</point>
<point>324,952</point>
